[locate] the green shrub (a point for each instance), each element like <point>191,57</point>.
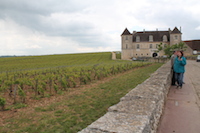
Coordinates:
<point>22,94</point>
<point>2,103</point>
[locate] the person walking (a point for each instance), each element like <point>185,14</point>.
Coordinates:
<point>179,68</point>
<point>173,57</point>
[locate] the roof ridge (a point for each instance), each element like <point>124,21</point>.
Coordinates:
<point>176,30</point>
<point>126,32</point>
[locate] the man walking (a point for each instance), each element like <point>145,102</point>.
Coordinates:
<point>173,57</point>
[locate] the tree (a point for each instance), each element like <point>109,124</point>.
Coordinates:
<point>168,50</point>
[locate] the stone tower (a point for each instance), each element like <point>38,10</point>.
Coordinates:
<point>175,36</point>
<point>126,41</point>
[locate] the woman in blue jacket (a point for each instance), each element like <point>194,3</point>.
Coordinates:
<point>179,68</point>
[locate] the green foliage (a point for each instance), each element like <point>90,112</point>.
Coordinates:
<point>53,74</point>
<point>8,83</point>
<point>41,90</point>
<point>56,88</point>
<point>2,102</point>
<point>63,83</point>
<point>77,111</point>
<point>19,105</point>
<point>118,55</point>
<point>21,93</point>
<point>168,50</point>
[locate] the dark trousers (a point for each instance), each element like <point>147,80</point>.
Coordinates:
<point>179,78</point>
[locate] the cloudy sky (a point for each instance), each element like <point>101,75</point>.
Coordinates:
<point>40,27</point>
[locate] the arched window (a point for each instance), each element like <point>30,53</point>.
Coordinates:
<point>138,46</point>
<point>137,38</point>
<point>164,38</point>
<point>150,38</point>
<point>126,46</point>
<point>150,46</point>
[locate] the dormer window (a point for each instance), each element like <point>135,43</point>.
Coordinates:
<point>137,38</point>
<point>164,38</point>
<point>151,38</point>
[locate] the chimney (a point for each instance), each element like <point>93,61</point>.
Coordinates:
<point>156,29</point>
<point>144,31</point>
<point>134,32</point>
<point>169,30</point>
<point>180,28</point>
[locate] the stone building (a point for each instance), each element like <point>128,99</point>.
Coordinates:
<point>145,43</point>
<point>193,46</point>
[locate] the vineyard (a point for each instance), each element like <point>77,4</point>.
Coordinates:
<point>36,77</point>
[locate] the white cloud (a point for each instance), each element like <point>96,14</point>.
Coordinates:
<point>53,27</point>
<point>197,28</point>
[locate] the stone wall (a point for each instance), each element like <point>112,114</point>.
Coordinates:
<point>140,110</point>
<point>113,56</point>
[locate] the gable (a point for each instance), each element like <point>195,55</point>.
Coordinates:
<point>126,32</point>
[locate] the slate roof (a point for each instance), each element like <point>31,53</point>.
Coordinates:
<point>175,31</point>
<point>193,44</point>
<point>126,32</point>
<point>157,36</point>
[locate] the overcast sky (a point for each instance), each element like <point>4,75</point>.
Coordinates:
<point>40,27</point>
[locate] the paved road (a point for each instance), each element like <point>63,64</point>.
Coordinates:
<point>182,109</point>
<point>193,72</point>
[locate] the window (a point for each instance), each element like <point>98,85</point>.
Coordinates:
<point>137,38</point>
<point>156,45</point>
<point>175,37</point>
<point>164,38</point>
<point>138,46</point>
<point>126,37</point>
<point>150,46</point>
<point>151,38</point>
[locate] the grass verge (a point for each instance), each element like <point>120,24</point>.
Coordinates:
<point>75,112</point>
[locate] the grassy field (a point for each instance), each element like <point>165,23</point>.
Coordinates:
<point>74,108</point>
<point>52,61</point>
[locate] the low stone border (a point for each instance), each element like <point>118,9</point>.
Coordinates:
<point>140,110</point>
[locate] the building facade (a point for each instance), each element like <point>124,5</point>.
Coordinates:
<point>145,43</point>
